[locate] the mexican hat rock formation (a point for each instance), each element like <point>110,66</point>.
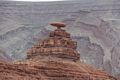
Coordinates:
<point>54,58</point>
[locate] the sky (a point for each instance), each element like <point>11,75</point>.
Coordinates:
<point>38,0</point>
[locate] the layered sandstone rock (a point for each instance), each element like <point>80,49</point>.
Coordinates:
<point>93,23</point>
<point>54,58</point>
<point>59,44</point>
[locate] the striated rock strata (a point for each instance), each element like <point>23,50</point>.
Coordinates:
<point>94,24</point>
<point>54,58</point>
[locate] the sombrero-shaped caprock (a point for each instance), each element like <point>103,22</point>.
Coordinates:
<point>58,24</point>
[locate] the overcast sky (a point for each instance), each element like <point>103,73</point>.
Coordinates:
<point>37,0</point>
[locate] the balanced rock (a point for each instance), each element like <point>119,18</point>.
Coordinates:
<point>54,58</point>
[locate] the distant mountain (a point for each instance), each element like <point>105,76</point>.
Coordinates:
<point>4,56</point>
<point>93,24</point>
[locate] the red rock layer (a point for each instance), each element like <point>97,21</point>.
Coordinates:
<point>54,58</point>
<point>59,44</point>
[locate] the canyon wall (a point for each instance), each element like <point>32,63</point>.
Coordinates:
<point>95,25</point>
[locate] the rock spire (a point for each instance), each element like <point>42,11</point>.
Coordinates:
<point>59,44</point>
<point>52,59</point>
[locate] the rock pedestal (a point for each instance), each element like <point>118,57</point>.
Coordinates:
<point>59,44</point>
<point>54,58</point>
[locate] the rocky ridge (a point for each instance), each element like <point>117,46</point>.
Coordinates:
<point>94,26</point>
<point>54,58</point>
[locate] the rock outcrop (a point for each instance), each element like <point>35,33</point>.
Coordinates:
<point>92,23</point>
<point>54,58</point>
